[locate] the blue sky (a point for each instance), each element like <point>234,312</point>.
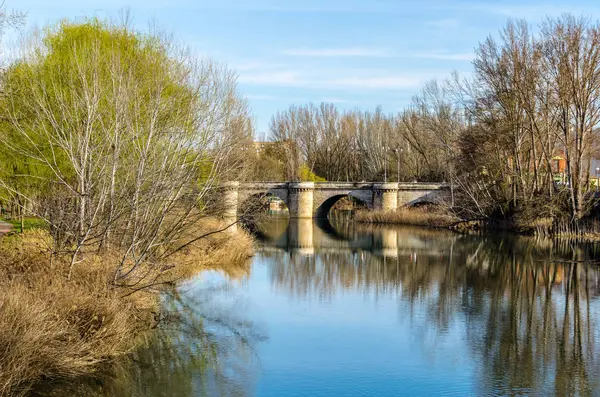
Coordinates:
<point>357,54</point>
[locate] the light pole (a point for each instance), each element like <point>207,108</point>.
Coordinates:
<point>597,181</point>
<point>398,151</point>
<point>327,174</point>
<point>384,164</point>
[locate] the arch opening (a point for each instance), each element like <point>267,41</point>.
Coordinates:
<point>423,204</point>
<point>263,204</point>
<point>343,205</point>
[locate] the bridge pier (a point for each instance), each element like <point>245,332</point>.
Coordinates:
<point>301,198</point>
<point>230,193</point>
<point>385,196</point>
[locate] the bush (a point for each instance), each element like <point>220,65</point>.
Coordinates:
<point>53,328</point>
<point>306,175</point>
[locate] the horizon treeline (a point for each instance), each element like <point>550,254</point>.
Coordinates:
<point>517,136</point>
<point>108,129</point>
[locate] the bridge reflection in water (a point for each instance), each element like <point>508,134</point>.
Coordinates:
<point>384,312</point>
<point>308,237</point>
<point>525,310</point>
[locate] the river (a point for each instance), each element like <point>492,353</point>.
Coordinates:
<point>347,310</point>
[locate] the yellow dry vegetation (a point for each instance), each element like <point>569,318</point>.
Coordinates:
<point>227,251</point>
<point>52,328</point>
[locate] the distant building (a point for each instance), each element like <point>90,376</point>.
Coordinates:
<point>595,171</point>
<point>559,169</point>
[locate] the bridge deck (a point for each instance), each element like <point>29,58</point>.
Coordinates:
<point>345,185</point>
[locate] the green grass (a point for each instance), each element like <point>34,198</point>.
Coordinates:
<point>28,224</point>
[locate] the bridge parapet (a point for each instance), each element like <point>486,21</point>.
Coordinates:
<point>343,185</point>
<point>263,185</point>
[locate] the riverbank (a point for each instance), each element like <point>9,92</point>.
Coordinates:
<point>54,328</point>
<point>587,230</point>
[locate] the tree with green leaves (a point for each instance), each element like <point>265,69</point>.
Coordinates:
<point>127,132</point>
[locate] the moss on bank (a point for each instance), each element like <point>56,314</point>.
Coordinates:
<point>56,329</point>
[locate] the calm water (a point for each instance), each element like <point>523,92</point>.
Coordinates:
<point>340,310</point>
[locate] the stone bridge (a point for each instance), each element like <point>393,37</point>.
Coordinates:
<point>314,200</point>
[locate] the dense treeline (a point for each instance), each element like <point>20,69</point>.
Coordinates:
<point>354,146</point>
<point>514,139</point>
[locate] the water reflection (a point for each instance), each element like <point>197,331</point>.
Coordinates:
<point>379,311</point>
<point>204,347</point>
<point>529,307</point>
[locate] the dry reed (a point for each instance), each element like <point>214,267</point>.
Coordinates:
<point>54,329</point>
<point>228,251</point>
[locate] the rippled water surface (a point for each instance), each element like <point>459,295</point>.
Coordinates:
<point>341,310</point>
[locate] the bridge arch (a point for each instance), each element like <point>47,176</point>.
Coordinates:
<point>250,202</point>
<point>324,207</point>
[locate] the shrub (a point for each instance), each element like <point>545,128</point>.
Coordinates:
<point>306,175</point>
<point>53,328</point>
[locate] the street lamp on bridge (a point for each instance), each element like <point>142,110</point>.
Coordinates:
<point>397,151</point>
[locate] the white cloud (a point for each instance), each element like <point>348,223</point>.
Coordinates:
<point>448,23</point>
<point>533,11</point>
<point>285,79</point>
<point>380,53</point>
<point>336,100</point>
<point>365,82</point>
<point>338,52</point>
<point>383,82</point>
<point>445,56</point>
<point>281,98</point>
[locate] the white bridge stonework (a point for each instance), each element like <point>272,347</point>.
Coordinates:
<point>315,199</point>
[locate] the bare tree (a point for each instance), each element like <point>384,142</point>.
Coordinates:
<point>133,135</point>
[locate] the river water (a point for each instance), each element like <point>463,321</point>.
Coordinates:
<point>338,309</point>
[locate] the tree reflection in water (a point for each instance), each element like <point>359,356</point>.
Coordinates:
<point>529,307</point>
<point>203,349</point>
<point>524,310</point>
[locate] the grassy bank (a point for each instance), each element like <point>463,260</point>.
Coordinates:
<point>227,251</point>
<point>54,329</point>
<point>408,216</point>
<point>28,224</point>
